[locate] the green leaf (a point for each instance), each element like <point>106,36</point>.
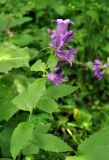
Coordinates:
<point>30,149</point>
<point>7,109</point>
<point>38,66</point>
<point>41,128</point>
<point>48,105</point>
<point>29,98</point>
<point>52,62</point>
<point>60,9</point>
<point>60,91</point>
<point>20,138</point>
<point>96,147</point>
<point>19,21</point>
<point>51,143</point>
<point>3,22</point>
<point>12,56</point>
<point>75,158</point>
<point>6,133</point>
<point>21,39</point>
<point>5,136</point>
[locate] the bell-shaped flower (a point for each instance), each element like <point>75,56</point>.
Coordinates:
<point>61,36</point>
<point>62,26</point>
<point>56,77</point>
<point>67,55</point>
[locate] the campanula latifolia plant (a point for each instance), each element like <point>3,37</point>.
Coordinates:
<point>54,83</point>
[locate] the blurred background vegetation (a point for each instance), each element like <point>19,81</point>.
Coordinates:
<point>24,23</point>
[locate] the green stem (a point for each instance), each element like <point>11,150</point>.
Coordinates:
<point>31,112</point>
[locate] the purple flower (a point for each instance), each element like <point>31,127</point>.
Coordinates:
<point>61,36</point>
<point>68,36</point>
<point>56,76</point>
<point>97,69</point>
<point>67,55</point>
<point>58,41</point>
<point>62,26</point>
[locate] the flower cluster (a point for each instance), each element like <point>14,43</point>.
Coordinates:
<point>58,42</point>
<point>98,67</point>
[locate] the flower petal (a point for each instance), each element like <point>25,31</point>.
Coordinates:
<point>56,76</point>
<point>62,26</point>
<point>68,36</point>
<point>67,55</point>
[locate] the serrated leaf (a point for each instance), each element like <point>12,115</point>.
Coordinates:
<point>29,98</point>
<point>60,91</point>
<point>12,56</point>
<point>38,66</point>
<point>7,109</point>
<point>52,62</point>
<point>48,105</point>
<point>96,147</point>
<point>51,143</point>
<point>20,138</point>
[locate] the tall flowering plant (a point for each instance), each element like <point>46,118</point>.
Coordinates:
<point>37,98</point>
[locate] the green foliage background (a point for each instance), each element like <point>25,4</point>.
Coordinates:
<point>72,117</point>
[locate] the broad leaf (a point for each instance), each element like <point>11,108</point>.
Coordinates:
<point>48,105</point>
<point>28,99</point>
<point>52,62</point>
<point>20,138</point>
<point>51,143</point>
<point>30,149</point>
<point>7,109</point>
<point>96,147</point>
<point>38,66</point>
<point>63,90</point>
<point>12,56</point>
<point>41,128</point>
